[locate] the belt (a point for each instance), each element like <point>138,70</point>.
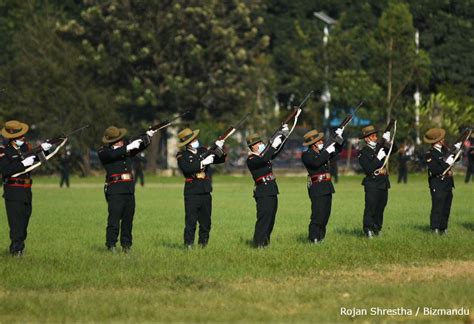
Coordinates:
<point>18,182</point>
<point>198,176</point>
<point>319,177</point>
<point>265,178</point>
<point>120,177</point>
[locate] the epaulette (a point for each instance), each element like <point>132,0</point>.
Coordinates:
<point>428,156</point>
<point>179,154</point>
<point>2,150</point>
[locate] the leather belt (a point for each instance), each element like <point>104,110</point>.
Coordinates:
<point>18,182</point>
<point>120,177</point>
<point>265,178</point>
<point>189,180</point>
<point>319,177</point>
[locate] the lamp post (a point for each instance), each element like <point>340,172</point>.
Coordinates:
<point>326,95</point>
<point>417,95</point>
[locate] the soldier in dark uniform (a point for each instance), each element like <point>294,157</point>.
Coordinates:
<point>139,161</point>
<point>376,182</point>
<point>316,159</point>
<point>65,168</point>
<point>17,190</point>
<point>194,162</point>
<point>403,159</point>
<point>470,160</point>
<point>116,157</point>
<point>265,192</point>
<point>438,160</point>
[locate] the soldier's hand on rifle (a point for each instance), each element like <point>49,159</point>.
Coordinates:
<point>134,145</point>
<point>285,130</point>
<point>450,160</point>
<point>46,146</point>
<point>381,154</point>
<point>458,145</point>
<point>28,161</point>
<point>386,136</point>
<point>150,132</point>
<point>220,144</point>
<point>339,131</point>
<point>208,160</point>
<point>298,113</point>
<point>331,148</point>
<point>277,141</point>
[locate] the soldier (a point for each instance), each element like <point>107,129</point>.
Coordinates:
<point>438,160</point>
<point>194,162</point>
<point>403,159</point>
<point>139,162</point>
<point>17,190</point>
<point>470,160</point>
<point>265,192</point>
<point>65,168</point>
<point>376,182</point>
<point>316,159</point>
<point>116,157</point>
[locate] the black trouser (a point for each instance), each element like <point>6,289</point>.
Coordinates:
<point>402,175</point>
<point>139,174</point>
<point>198,208</point>
<point>440,208</point>
<point>18,213</point>
<point>64,178</point>
<point>266,213</point>
<point>375,202</point>
<point>320,212</point>
<point>469,172</point>
<point>121,211</point>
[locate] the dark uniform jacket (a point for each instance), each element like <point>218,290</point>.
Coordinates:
<point>198,181</point>
<point>369,163</point>
<point>261,165</point>
<point>436,166</point>
<point>318,163</point>
<point>10,163</point>
<point>118,161</point>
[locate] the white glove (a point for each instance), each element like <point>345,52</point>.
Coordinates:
<point>277,141</point>
<point>381,154</point>
<point>134,145</point>
<point>386,136</point>
<point>339,131</point>
<point>220,144</point>
<point>285,128</point>
<point>457,146</point>
<point>150,132</point>
<point>28,161</point>
<point>450,159</point>
<point>331,148</point>
<point>46,146</point>
<point>208,160</point>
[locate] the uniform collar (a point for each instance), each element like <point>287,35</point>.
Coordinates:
<point>190,149</point>
<point>253,153</point>
<point>438,147</point>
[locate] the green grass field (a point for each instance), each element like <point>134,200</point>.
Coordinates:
<point>66,275</point>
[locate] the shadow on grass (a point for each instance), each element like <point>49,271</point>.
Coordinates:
<point>172,245</point>
<point>357,232</point>
<point>422,228</point>
<point>468,226</point>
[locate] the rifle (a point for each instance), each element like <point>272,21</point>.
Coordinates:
<point>38,150</point>
<point>167,123</point>
<point>389,127</point>
<point>338,139</point>
<point>392,124</point>
<point>216,150</point>
<point>457,152</point>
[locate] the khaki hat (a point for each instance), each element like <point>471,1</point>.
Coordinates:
<point>253,139</point>
<point>14,129</point>
<point>312,137</point>
<point>186,136</point>
<point>434,135</point>
<point>113,134</point>
<point>367,131</point>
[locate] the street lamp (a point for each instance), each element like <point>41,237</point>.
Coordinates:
<point>326,95</point>
<point>417,95</point>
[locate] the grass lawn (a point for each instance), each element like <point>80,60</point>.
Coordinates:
<point>66,275</point>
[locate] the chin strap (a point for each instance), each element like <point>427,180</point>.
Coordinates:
<point>47,157</point>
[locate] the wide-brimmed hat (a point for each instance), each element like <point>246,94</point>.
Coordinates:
<point>186,136</point>
<point>253,139</point>
<point>312,137</point>
<point>434,135</point>
<point>113,134</point>
<point>14,129</point>
<point>367,131</point>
